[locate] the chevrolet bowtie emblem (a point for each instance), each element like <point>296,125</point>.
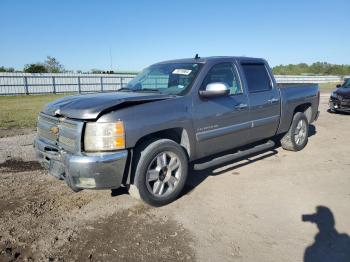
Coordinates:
<point>54,130</point>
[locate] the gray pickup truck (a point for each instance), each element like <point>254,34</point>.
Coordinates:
<point>199,112</point>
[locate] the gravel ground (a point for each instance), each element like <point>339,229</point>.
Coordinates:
<point>246,211</point>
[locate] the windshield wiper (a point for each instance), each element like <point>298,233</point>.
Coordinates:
<point>125,89</point>
<point>148,90</point>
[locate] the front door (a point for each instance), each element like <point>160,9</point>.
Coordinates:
<point>221,123</point>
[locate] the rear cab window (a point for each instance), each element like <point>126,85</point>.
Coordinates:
<point>257,77</point>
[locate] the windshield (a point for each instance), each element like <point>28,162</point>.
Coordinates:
<point>347,83</point>
<point>171,79</point>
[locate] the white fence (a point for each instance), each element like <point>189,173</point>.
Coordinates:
<point>301,79</point>
<point>25,83</point>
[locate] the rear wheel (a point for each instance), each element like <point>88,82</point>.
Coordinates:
<point>297,136</point>
<point>161,172</point>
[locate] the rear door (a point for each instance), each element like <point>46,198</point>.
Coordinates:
<point>264,99</point>
<point>221,123</point>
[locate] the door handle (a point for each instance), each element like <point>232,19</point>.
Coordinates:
<point>273,100</point>
<point>241,106</point>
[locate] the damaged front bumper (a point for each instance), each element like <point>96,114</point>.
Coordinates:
<point>336,104</point>
<point>83,171</point>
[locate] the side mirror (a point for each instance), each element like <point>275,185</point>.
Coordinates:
<point>214,90</point>
<point>338,85</point>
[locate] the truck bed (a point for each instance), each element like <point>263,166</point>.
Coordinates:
<point>293,96</point>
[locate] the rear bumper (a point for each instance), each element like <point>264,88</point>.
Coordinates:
<point>97,171</point>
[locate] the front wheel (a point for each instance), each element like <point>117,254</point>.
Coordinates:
<point>297,136</point>
<point>161,172</point>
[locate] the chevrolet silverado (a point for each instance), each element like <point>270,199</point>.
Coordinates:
<point>198,112</point>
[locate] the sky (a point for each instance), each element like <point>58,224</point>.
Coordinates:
<point>86,34</point>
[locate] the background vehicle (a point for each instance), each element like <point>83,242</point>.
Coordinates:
<point>172,114</point>
<point>340,98</point>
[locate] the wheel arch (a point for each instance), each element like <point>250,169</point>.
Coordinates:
<point>290,111</point>
<point>305,108</point>
<point>178,134</point>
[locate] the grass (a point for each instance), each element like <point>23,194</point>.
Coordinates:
<point>22,111</point>
<point>328,87</point>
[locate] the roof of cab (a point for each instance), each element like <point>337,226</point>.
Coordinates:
<point>212,58</point>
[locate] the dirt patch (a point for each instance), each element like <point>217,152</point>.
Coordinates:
<point>8,132</point>
<point>131,235</point>
<point>43,220</point>
<point>33,211</point>
<point>16,165</point>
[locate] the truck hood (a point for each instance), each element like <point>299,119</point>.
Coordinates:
<point>91,106</point>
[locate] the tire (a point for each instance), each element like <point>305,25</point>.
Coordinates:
<point>160,172</point>
<point>297,136</point>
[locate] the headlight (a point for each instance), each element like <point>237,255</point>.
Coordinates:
<point>104,136</point>
<point>334,94</point>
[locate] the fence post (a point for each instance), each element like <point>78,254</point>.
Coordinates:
<point>101,81</point>
<point>54,85</point>
<point>25,82</point>
<point>121,82</point>
<point>79,87</point>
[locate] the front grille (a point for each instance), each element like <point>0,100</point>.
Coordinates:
<point>66,141</point>
<point>42,132</point>
<point>60,132</point>
<point>45,124</point>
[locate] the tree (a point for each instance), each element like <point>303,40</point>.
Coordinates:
<point>35,68</point>
<point>53,66</point>
<point>318,68</point>
<point>96,71</point>
<point>6,69</point>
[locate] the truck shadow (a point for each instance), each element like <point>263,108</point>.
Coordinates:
<point>196,177</point>
<point>329,244</point>
<point>119,191</point>
<point>312,130</point>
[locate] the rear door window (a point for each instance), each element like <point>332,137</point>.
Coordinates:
<point>257,77</point>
